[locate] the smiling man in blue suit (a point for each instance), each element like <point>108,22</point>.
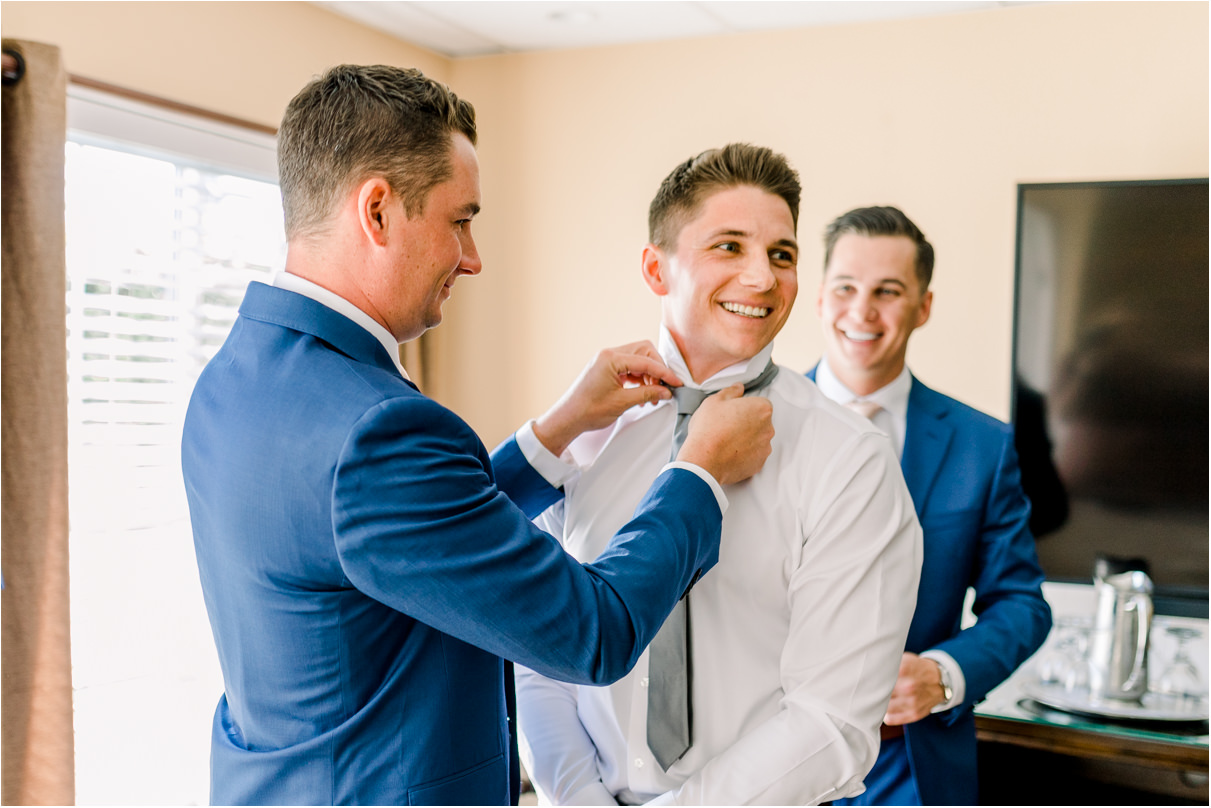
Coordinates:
<point>962,473</point>
<point>367,567</point>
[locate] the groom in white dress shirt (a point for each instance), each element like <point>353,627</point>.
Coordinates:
<point>796,635</point>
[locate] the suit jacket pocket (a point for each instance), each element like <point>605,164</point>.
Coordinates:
<point>483,784</point>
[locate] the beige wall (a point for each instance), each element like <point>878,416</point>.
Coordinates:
<point>245,59</point>
<point>942,116</point>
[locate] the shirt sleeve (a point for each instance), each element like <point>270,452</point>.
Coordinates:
<point>557,752</point>
<point>860,564</point>
<point>558,470</point>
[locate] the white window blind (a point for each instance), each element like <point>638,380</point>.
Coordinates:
<point>168,219</point>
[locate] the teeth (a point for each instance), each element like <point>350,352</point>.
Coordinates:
<point>861,336</point>
<point>747,311</point>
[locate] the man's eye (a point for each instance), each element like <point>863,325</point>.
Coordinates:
<point>889,291</point>
<point>783,256</point>
<point>728,246</point>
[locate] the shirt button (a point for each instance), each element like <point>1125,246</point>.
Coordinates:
<point>638,763</point>
<point>643,682</point>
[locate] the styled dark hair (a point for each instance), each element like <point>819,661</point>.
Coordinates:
<point>684,190</point>
<point>881,221</point>
<point>360,121</point>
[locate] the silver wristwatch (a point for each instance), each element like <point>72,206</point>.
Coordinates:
<point>948,690</point>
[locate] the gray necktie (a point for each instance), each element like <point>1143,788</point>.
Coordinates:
<point>670,710</point>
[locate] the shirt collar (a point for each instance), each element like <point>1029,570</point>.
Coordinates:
<point>293,283</point>
<point>892,397</point>
<point>744,371</point>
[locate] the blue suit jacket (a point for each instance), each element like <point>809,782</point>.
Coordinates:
<point>962,471</point>
<point>365,572</point>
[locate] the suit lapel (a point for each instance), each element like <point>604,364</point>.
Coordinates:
<point>927,438</point>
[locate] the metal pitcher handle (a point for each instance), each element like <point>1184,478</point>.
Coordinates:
<point>1142,606</point>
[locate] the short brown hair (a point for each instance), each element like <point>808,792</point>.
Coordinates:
<point>881,221</point>
<point>360,121</point>
<point>684,190</point>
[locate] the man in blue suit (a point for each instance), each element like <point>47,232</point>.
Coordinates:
<point>366,566</point>
<point>962,472</point>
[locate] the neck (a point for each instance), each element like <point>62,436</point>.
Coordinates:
<point>862,383</point>
<point>325,268</point>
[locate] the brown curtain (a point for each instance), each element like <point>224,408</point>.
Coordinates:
<point>35,643</point>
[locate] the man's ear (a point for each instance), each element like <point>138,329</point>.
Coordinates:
<point>373,200</point>
<point>654,264</point>
<point>926,306</point>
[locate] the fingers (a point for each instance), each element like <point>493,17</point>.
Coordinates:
<point>642,369</point>
<point>734,391</point>
<point>645,394</point>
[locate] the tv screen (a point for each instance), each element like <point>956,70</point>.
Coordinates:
<point>1110,388</point>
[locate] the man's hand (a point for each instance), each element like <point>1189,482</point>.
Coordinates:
<point>730,435</point>
<point>616,380</point>
<point>918,690</point>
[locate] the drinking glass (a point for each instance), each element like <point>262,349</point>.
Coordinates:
<point>1064,663</point>
<point>1181,679</point>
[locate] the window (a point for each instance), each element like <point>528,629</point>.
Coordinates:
<point>168,219</point>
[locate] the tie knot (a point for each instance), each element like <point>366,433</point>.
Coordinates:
<point>688,399</point>
<point>865,408</point>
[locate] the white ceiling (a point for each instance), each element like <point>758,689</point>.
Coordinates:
<point>459,28</point>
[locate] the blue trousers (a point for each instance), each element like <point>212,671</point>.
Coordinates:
<point>890,782</point>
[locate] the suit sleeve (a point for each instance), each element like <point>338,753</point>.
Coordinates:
<point>420,525</point>
<point>1012,617</point>
<point>520,481</point>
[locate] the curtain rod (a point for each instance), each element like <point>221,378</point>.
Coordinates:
<point>13,68</point>
<point>167,103</point>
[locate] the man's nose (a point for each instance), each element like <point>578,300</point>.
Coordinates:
<point>862,308</point>
<point>758,274</point>
<point>470,263</point>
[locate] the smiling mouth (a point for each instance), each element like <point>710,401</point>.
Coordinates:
<point>860,336</point>
<point>756,312</point>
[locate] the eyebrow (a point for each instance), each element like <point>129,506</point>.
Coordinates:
<point>782,242</point>
<point>470,210</point>
<point>896,281</point>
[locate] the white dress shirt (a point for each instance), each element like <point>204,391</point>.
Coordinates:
<point>893,398</point>
<point>796,633</point>
<point>293,283</point>
<point>893,419</point>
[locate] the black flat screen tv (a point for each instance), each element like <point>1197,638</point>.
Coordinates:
<point>1110,380</point>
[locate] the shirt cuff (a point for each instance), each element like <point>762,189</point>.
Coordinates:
<point>958,684</point>
<point>555,470</point>
<point>705,476</point>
